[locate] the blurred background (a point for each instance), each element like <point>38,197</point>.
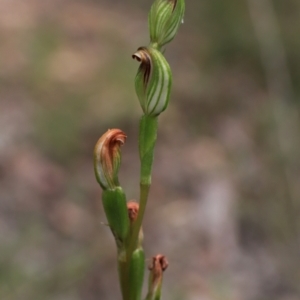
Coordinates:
<point>225,201</point>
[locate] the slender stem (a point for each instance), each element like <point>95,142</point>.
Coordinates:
<point>155,46</point>
<point>144,191</point>
<point>123,277</point>
<point>147,139</point>
<point>124,265</point>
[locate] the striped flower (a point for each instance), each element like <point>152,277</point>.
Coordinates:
<point>107,158</point>
<point>164,19</point>
<point>153,81</point>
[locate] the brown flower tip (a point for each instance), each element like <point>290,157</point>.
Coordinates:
<point>158,262</point>
<point>133,210</point>
<point>174,2</point>
<point>142,55</point>
<point>107,157</point>
<point>158,265</point>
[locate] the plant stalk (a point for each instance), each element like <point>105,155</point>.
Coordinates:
<point>123,277</point>
<point>147,139</point>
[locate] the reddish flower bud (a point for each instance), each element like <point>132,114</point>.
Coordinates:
<point>133,210</point>
<point>157,266</point>
<point>107,158</point>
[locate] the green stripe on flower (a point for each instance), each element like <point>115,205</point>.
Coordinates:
<point>153,81</point>
<point>164,20</point>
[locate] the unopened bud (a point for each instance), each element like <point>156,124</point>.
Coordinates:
<point>153,81</point>
<point>107,158</point>
<point>133,210</point>
<point>164,19</point>
<point>158,265</point>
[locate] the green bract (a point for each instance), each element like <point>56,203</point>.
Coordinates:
<point>114,203</point>
<point>164,19</point>
<point>153,81</point>
<point>136,274</point>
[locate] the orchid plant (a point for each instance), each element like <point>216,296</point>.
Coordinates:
<point>153,84</point>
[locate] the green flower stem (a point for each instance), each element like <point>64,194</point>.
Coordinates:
<point>147,139</point>
<point>123,268</point>
<point>132,245</point>
<point>155,46</point>
<point>144,191</point>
